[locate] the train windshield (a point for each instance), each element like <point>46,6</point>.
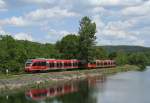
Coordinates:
<point>28,64</point>
<point>40,63</point>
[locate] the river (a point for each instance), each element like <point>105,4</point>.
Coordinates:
<point>127,87</point>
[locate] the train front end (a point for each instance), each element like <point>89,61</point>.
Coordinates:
<point>28,65</point>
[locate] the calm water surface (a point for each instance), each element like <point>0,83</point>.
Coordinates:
<point>129,87</point>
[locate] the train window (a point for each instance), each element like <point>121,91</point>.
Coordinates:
<point>105,63</point>
<point>35,64</point>
<point>42,63</point>
<point>38,63</point>
<point>40,94</point>
<point>28,64</point>
<point>51,64</point>
<point>67,87</point>
<point>60,64</point>
<point>59,89</point>
<point>74,64</point>
<point>51,90</point>
<point>57,64</point>
<point>65,64</point>
<point>69,64</point>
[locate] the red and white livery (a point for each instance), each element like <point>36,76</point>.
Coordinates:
<point>54,64</point>
<point>50,64</point>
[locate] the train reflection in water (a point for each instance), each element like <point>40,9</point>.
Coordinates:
<point>59,90</point>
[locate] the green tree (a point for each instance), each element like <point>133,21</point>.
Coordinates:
<point>14,53</point>
<point>100,53</point>
<point>121,58</point>
<point>68,46</point>
<point>9,52</point>
<point>112,55</point>
<point>87,38</point>
<point>138,59</point>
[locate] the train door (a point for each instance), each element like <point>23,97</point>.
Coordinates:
<point>43,65</point>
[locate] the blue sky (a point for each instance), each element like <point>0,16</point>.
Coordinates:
<point>119,22</point>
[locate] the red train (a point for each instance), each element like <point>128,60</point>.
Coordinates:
<point>53,64</point>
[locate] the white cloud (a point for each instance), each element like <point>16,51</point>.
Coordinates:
<point>98,10</point>
<point>2,32</point>
<point>103,2</point>
<point>17,21</point>
<point>142,9</point>
<point>115,2</point>
<point>2,4</point>
<point>122,26</point>
<point>116,32</point>
<point>99,23</point>
<point>118,29</point>
<point>55,35</point>
<point>23,36</point>
<point>18,36</point>
<point>55,12</point>
<point>39,1</point>
<point>34,17</point>
<point>118,21</point>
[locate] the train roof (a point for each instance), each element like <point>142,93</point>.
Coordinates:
<point>60,60</point>
<point>105,60</point>
<point>57,60</point>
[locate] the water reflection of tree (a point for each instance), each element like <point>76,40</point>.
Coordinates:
<point>15,98</point>
<point>85,93</point>
<point>82,96</point>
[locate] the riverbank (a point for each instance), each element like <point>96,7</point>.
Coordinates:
<point>15,82</point>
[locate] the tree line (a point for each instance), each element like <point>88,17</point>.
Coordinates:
<point>82,46</point>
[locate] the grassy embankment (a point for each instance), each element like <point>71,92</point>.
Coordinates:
<point>11,82</point>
